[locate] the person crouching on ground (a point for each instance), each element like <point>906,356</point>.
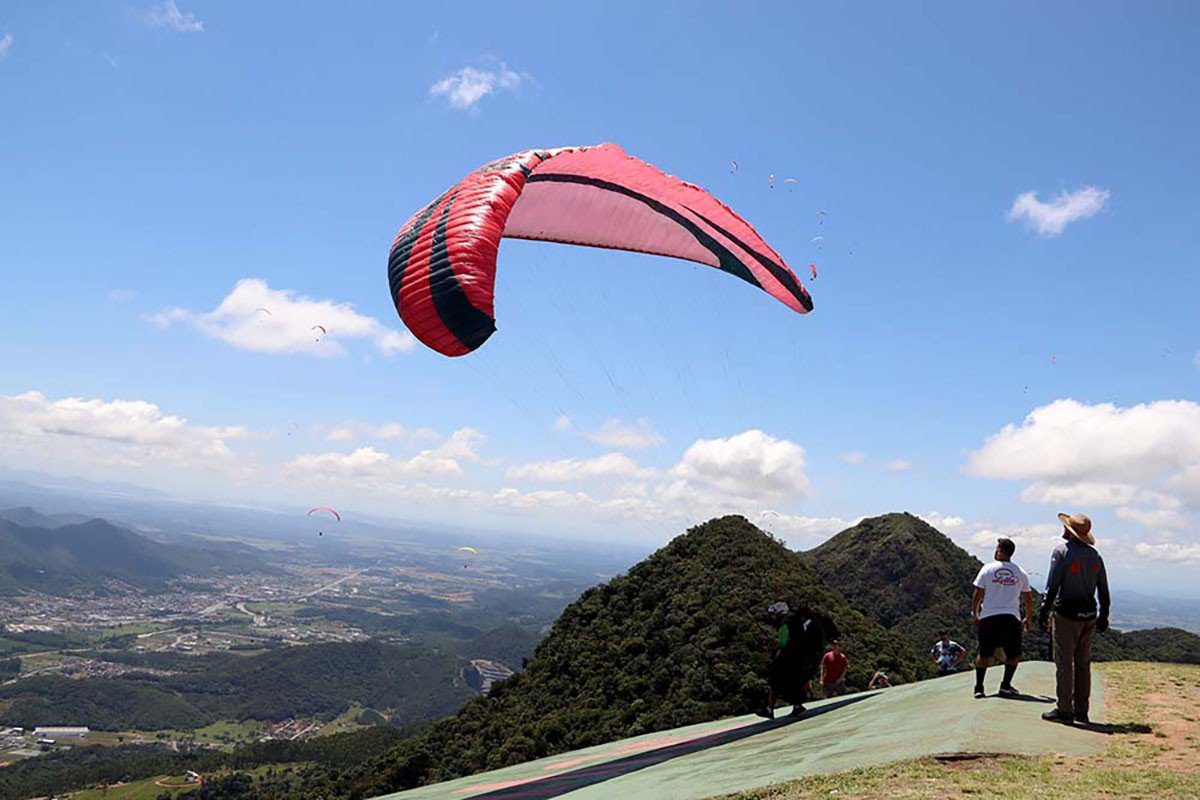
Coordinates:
<point>833,671</point>
<point>947,654</point>
<point>1076,576</point>
<point>1000,588</point>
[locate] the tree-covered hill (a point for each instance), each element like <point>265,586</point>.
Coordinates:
<point>680,639</point>
<point>318,680</point>
<point>84,555</point>
<point>914,580</point>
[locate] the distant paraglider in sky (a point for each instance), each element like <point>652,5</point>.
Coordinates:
<point>734,166</point>
<point>442,264</point>
<point>468,550</point>
<point>333,512</point>
<point>320,328</point>
<point>819,241</point>
<point>263,312</point>
<point>771,180</point>
<point>812,270</point>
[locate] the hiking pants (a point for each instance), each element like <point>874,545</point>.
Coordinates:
<point>1073,658</point>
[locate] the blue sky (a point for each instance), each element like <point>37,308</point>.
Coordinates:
<point>156,155</point>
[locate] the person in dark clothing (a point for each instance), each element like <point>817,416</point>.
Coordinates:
<point>1077,576</point>
<point>802,637</point>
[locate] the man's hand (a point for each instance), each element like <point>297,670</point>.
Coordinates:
<point>1102,625</point>
<point>1025,625</point>
<point>1045,623</point>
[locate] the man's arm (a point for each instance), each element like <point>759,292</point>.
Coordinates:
<point>1053,584</point>
<point>976,604</point>
<point>959,655</point>
<point>1102,590</point>
<point>1027,596</point>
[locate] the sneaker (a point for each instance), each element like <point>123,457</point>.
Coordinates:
<point>1008,691</point>
<point>769,713</point>
<point>1054,715</point>
<point>1082,719</point>
<point>797,710</point>
<point>979,695</point>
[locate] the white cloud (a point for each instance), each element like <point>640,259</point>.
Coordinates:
<point>129,432</point>
<point>1034,542</point>
<point>610,465</point>
<point>1051,219</point>
<point>121,295</point>
<point>353,430</point>
<point>860,460</point>
<point>614,433</point>
<point>1068,441</point>
<point>800,529</point>
<point>466,87</point>
<point>1094,493</point>
<point>943,522</point>
<point>1187,484</point>
<point>5,45</point>
<point>750,464</point>
<point>1170,552</point>
<point>1155,518</point>
<point>370,469</point>
<point>167,15</point>
<point>256,317</point>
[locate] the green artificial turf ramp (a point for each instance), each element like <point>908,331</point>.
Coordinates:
<point>732,755</point>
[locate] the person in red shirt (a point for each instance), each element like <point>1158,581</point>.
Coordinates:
<point>833,671</point>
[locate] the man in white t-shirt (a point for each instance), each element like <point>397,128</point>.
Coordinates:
<point>1000,589</point>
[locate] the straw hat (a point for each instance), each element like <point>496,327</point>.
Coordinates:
<point>1079,525</point>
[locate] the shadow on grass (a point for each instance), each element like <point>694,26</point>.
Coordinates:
<point>555,785</point>
<point>1028,698</point>
<point>1109,730</point>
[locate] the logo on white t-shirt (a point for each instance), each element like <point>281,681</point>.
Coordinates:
<point>1005,577</point>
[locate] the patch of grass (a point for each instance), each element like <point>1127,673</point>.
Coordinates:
<point>1146,758</point>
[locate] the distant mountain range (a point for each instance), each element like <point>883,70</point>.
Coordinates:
<point>62,553</point>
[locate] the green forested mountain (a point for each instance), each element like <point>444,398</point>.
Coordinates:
<point>914,581</point>
<point>83,555</point>
<point>317,680</point>
<point>680,639</point>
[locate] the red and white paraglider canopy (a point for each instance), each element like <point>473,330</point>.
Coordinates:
<point>442,266</point>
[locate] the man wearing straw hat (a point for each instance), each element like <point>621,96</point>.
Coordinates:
<point>1076,576</point>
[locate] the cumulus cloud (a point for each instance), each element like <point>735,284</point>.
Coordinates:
<point>355,430</point>
<point>373,468</point>
<point>1034,542</point>
<point>256,317</point>
<point>1152,518</point>
<point>1094,493</point>
<point>466,87</point>
<point>167,15</point>
<point>860,460</point>
<point>800,529</point>
<point>1068,441</point>
<point>614,433</point>
<point>1171,552</point>
<point>944,522</point>
<point>5,45</point>
<point>129,432</point>
<point>610,465</point>
<point>751,464</point>
<point>1052,218</point>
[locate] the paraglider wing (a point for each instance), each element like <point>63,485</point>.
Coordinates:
<point>733,164</point>
<point>442,265</point>
<point>327,510</point>
<point>468,550</point>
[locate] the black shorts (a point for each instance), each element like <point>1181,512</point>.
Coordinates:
<point>1000,631</point>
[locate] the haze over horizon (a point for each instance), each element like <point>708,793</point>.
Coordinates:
<point>1004,322</point>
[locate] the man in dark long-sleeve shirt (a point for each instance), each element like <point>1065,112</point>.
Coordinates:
<point>1076,577</point>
